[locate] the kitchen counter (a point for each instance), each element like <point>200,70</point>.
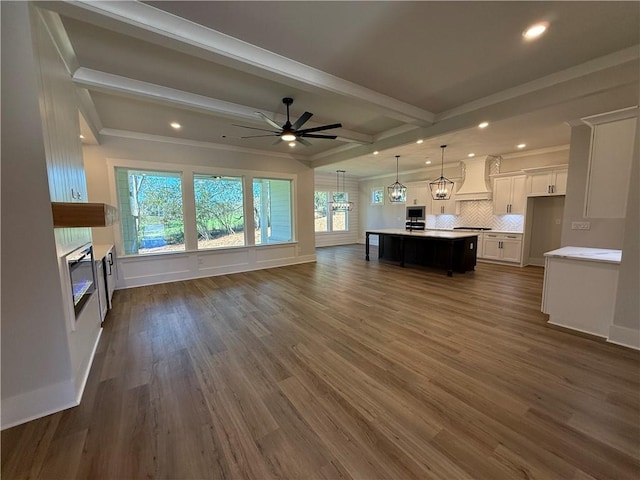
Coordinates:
<point>605,255</point>
<point>580,287</point>
<point>452,251</point>
<point>424,233</point>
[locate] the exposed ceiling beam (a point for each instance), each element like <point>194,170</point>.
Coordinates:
<point>150,24</point>
<point>110,83</point>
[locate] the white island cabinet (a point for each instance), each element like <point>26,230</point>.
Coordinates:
<point>580,288</point>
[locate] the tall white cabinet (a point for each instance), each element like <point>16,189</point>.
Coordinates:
<point>509,194</point>
<point>610,158</point>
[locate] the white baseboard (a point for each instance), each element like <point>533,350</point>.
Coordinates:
<point>37,403</point>
<point>627,337</point>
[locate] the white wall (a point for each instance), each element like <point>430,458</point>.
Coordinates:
<point>328,183</point>
<point>100,161</point>
<point>44,361</point>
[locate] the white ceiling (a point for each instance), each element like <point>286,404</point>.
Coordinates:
<point>390,72</point>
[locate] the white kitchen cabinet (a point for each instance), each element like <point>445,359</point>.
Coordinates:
<point>418,194</point>
<point>546,181</point>
<point>610,159</point>
<point>445,207</point>
<point>505,247</point>
<point>509,194</point>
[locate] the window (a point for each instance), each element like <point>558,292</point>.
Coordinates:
<point>321,209</point>
<point>272,211</point>
<point>219,211</point>
<point>151,216</point>
<point>339,217</point>
<point>377,196</point>
<point>338,221</point>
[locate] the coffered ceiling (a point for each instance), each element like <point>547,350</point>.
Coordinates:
<point>391,72</point>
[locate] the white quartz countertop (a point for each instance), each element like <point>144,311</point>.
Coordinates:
<point>604,255</point>
<point>475,231</point>
<point>424,233</point>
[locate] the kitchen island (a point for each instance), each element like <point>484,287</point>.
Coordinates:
<point>580,286</point>
<point>451,251</point>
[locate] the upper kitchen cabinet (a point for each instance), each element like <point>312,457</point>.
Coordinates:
<point>546,181</point>
<point>446,207</point>
<point>509,194</point>
<point>610,158</point>
<point>418,194</point>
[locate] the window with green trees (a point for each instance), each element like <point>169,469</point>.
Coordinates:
<point>151,216</point>
<point>219,211</point>
<point>272,211</point>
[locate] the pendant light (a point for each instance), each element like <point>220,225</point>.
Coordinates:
<point>340,202</point>
<point>442,187</point>
<point>397,191</point>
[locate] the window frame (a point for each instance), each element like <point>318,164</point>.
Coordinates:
<point>330,213</point>
<point>382,195</point>
<point>187,172</point>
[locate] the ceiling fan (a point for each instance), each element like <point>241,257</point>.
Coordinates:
<point>290,132</point>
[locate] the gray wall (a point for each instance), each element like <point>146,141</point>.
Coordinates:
<point>604,232</point>
<point>546,226</point>
<point>627,312</point>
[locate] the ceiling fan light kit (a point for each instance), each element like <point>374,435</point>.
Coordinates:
<point>397,191</point>
<point>441,188</point>
<point>291,132</point>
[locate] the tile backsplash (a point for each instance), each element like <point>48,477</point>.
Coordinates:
<point>477,213</point>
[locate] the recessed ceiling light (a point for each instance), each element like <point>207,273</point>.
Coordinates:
<point>175,125</point>
<point>483,125</point>
<point>428,162</point>
<point>292,144</point>
<point>534,31</point>
<point>521,145</point>
<point>419,141</point>
<point>471,155</point>
<point>81,137</point>
<point>376,152</point>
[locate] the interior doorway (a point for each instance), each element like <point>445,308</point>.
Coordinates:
<point>543,228</point>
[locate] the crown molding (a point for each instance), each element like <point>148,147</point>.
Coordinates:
<point>540,151</point>
<point>111,132</point>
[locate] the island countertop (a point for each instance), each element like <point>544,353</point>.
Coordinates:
<point>423,233</point>
<point>604,255</point>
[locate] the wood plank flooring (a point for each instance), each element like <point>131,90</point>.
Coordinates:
<point>343,369</point>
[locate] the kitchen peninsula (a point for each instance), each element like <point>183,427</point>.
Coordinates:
<point>452,251</point>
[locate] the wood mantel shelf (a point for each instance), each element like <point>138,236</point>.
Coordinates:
<point>83,214</point>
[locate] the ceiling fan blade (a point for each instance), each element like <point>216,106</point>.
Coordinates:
<point>315,135</point>
<point>303,141</point>
<point>302,120</point>
<point>254,128</point>
<point>278,140</point>
<point>256,136</point>
<point>269,121</point>
<point>317,129</point>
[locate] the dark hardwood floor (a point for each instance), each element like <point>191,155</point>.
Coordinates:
<point>342,369</point>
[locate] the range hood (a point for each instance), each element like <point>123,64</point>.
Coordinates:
<point>475,186</point>
<point>83,214</point>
